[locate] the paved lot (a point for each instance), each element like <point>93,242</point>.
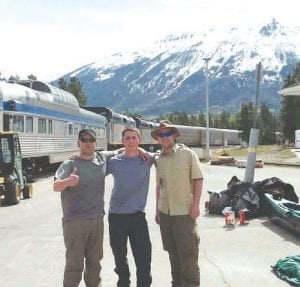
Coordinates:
<point>32,251</point>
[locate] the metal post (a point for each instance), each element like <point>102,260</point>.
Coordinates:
<point>253,140</point>
<point>206,59</point>
<point>258,79</point>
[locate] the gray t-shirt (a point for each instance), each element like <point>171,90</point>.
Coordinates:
<point>131,183</point>
<point>85,200</point>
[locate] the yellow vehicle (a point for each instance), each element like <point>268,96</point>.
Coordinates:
<point>13,181</point>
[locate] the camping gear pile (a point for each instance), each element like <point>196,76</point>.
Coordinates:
<point>241,195</point>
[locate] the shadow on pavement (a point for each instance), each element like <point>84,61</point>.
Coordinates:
<point>281,231</point>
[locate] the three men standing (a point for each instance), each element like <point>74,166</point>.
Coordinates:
<point>178,192</point>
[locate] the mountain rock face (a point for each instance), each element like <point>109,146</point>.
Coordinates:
<point>170,75</point>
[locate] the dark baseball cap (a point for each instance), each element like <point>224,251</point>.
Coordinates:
<point>86,132</point>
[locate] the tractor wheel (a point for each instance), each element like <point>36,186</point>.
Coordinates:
<point>13,193</point>
<point>27,192</point>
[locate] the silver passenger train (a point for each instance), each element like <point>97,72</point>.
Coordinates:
<point>48,120</point>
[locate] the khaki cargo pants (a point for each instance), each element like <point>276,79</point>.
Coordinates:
<point>84,250</point>
<point>181,239</point>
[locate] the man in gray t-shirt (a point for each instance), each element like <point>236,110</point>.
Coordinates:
<point>126,210</point>
<point>81,183</point>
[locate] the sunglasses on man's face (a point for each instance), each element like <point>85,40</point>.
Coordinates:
<point>87,140</point>
<point>165,134</point>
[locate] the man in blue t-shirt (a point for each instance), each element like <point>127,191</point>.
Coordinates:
<point>126,211</point>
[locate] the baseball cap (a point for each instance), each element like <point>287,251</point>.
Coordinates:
<point>88,132</point>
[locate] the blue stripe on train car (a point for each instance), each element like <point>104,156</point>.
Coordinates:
<point>38,111</point>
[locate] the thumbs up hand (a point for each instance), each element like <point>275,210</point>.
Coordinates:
<point>73,178</point>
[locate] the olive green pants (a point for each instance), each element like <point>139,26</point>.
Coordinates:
<point>181,239</point>
<point>84,250</point>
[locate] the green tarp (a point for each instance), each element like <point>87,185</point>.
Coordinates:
<point>288,269</point>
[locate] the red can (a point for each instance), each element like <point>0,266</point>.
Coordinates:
<point>206,204</point>
<point>227,217</point>
<point>242,217</point>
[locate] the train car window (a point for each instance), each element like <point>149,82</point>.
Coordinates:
<point>70,129</point>
<point>26,84</point>
<point>41,126</point>
<point>50,127</point>
<point>115,119</point>
<point>39,86</point>
<point>18,123</point>
<point>102,132</point>
<point>29,124</point>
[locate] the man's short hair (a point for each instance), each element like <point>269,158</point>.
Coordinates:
<point>131,129</point>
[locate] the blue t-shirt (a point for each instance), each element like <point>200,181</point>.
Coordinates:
<point>131,183</point>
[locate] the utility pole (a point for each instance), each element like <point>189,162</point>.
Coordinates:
<point>253,140</point>
<point>206,59</point>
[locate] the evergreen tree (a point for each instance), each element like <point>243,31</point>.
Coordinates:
<point>296,74</point>
<point>245,120</point>
<point>14,78</point>
<point>62,84</point>
<point>32,77</point>
<point>194,120</point>
<point>201,120</point>
<point>2,79</point>
<point>265,124</point>
<point>232,121</point>
<point>75,88</point>
<point>224,120</point>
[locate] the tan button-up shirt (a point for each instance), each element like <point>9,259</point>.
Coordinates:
<point>175,173</point>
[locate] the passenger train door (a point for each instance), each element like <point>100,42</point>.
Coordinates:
<point>7,122</point>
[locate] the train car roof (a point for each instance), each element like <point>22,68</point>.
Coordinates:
<point>145,123</point>
<point>59,95</point>
<point>204,128</point>
<point>42,103</point>
<point>110,115</point>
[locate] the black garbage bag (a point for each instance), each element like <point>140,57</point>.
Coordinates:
<point>275,184</point>
<point>245,198</point>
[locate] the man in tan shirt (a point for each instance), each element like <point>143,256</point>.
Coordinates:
<point>178,192</point>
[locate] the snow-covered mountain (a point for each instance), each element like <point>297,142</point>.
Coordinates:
<point>170,75</point>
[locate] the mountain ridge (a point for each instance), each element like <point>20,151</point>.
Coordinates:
<point>169,76</point>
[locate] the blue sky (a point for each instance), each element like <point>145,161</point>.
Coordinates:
<point>48,38</point>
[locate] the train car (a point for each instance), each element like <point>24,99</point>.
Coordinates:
<point>232,137</point>
<point>145,127</point>
<point>48,120</point>
<point>189,135</point>
<point>196,136</point>
<point>116,123</point>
